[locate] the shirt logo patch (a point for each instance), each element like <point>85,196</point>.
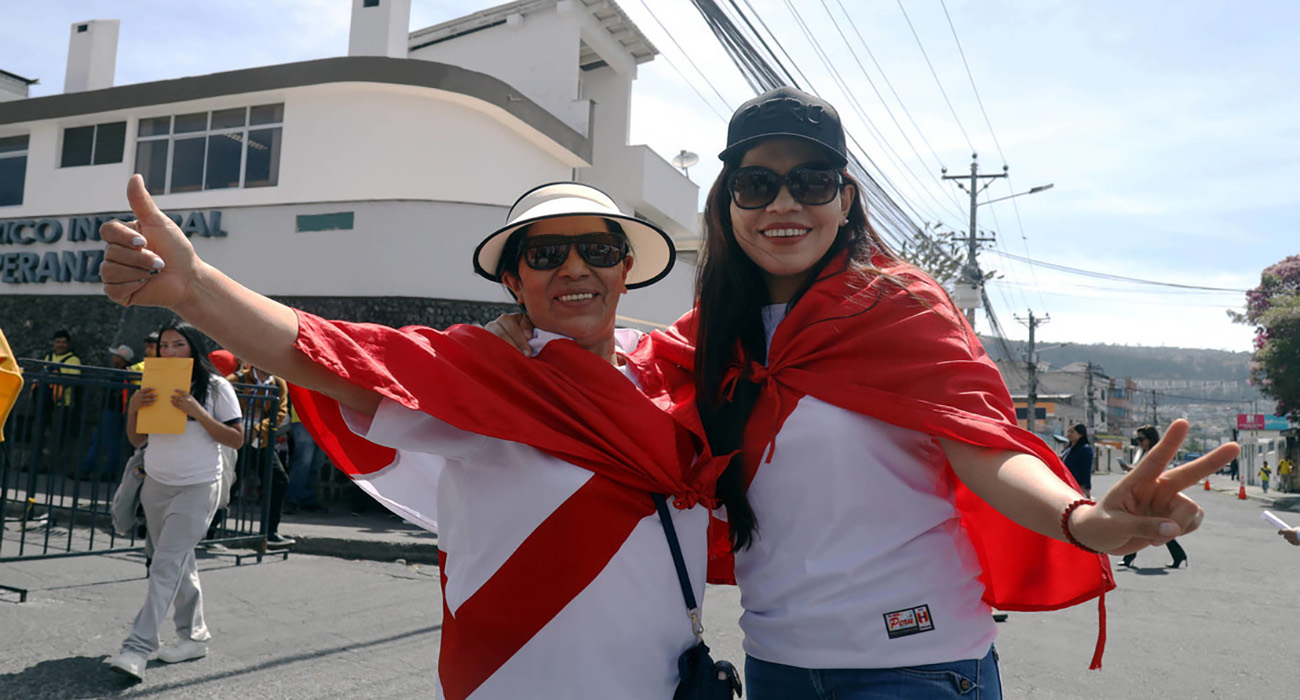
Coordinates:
<point>903,623</point>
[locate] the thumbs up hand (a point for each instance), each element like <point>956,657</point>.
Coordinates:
<point>147,262</point>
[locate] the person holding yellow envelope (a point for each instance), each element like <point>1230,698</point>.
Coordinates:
<point>180,492</point>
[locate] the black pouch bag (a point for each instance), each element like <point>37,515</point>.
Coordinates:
<point>701,678</point>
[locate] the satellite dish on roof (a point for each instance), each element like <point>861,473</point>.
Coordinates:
<point>685,160</point>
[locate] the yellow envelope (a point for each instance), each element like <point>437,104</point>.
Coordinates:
<point>164,375</point>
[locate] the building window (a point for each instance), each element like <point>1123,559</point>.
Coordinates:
<point>13,169</point>
<point>93,145</point>
<point>226,148</point>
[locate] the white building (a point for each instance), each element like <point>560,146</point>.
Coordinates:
<point>368,176</point>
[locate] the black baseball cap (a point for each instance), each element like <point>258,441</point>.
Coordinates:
<point>786,112</point>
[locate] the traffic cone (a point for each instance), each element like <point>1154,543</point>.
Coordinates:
<point>1207,483</point>
<point>1241,491</point>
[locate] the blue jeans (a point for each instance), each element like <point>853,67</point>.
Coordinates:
<point>972,679</point>
<point>105,446</point>
<point>304,467</point>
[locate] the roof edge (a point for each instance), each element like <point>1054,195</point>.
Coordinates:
<point>343,69</point>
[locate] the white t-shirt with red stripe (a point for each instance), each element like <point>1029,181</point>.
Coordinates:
<point>860,559</point>
<point>621,635</point>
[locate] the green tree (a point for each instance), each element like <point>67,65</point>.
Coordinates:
<point>1273,308</point>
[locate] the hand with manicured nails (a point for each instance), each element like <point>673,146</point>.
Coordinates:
<point>147,262</point>
<point>1147,507</point>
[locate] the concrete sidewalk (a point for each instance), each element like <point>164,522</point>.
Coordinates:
<point>1273,499</point>
<point>374,536</point>
<point>381,536</point>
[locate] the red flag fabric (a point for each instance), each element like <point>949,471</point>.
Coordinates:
<point>892,346</point>
<point>566,402</point>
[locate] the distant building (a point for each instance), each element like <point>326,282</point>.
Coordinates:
<point>1125,417</point>
<point>1073,394</point>
<point>355,186</point>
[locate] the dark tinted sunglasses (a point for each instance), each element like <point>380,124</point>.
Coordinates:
<point>755,187</point>
<point>597,249</point>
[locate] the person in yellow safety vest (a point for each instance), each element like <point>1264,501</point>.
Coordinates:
<point>150,350</point>
<point>1284,472</point>
<point>1264,474</point>
<point>62,353</point>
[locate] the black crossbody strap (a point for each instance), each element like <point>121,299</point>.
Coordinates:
<point>688,593</point>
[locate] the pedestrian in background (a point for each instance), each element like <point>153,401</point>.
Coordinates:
<point>1285,475</point>
<point>150,350</point>
<point>305,462</point>
<point>54,400</point>
<point>266,408</point>
<point>1146,438</point>
<point>1078,457</point>
<point>61,352</point>
<point>1265,473</point>
<point>106,440</point>
<point>179,496</point>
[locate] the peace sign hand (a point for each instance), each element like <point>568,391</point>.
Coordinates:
<point>1147,507</point>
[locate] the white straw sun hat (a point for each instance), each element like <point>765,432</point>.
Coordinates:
<point>653,253</point>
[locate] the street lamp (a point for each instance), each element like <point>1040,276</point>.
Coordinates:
<point>1031,190</point>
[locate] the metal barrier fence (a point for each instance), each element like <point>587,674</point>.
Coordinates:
<point>63,456</point>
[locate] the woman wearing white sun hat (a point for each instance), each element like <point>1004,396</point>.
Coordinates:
<point>557,578</point>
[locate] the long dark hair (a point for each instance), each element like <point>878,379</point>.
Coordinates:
<point>1082,430</point>
<point>202,371</point>
<point>730,292</point>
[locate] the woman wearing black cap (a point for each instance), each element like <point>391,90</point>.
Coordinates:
<point>871,506</point>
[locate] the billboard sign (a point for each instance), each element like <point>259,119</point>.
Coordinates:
<point>1276,423</point>
<point>1250,421</point>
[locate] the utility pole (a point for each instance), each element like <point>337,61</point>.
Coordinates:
<point>1031,407</point>
<point>973,276</point>
<point>1092,406</point>
<point>1155,417</point>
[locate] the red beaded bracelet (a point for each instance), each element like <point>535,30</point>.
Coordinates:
<point>1065,524</point>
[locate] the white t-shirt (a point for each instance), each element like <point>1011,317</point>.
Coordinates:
<point>860,559</point>
<point>193,457</point>
<point>621,635</point>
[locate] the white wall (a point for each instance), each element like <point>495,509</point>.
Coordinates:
<point>542,60</point>
<point>344,141</point>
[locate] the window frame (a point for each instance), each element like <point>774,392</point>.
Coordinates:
<point>94,144</point>
<point>23,153</point>
<point>206,134</point>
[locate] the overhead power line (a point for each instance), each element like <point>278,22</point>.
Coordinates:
<point>1108,276</point>
<point>764,70</point>
<point>936,76</point>
<point>972,79</point>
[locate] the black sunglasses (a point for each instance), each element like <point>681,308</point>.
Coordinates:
<point>755,187</point>
<point>597,249</point>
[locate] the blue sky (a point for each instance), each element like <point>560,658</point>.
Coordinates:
<point>1170,130</point>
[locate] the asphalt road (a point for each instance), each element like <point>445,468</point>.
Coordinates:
<point>315,627</point>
